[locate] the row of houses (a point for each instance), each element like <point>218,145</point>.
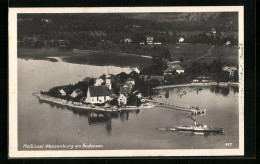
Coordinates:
<point>101,91</point>
<point>202,79</point>
<point>148,40</point>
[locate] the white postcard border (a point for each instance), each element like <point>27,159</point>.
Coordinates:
<point>13,106</point>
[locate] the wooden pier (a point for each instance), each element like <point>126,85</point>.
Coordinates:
<point>194,110</point>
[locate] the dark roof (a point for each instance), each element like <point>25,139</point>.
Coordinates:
<point>178,67</point>
<point>78,91</point>
<point>99,91</point>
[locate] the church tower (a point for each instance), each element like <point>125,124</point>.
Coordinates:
<point>108,81</point>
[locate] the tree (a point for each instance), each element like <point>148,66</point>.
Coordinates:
<point>122,77</point>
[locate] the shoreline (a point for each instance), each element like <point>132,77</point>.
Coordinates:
<point>221,84</point>
<point>80,105</point>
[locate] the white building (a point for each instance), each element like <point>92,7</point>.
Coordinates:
<point>230,69</point>
<point>108,82</point>
<point>227,43</point>
<point>99,82</point>
<point>214,31</point>
<point>122,99</point>
<point>181,40</point>
<point>62,92</point>
<point>179,69</point>
<point>136,70</point>
<point>149,40</point>
<point>98,94</point>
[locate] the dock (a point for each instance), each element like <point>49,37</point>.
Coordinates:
<point>194,110</point>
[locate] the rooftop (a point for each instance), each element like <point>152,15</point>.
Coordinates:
<point>99,91</point>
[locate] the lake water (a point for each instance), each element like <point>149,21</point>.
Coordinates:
<point>45,123</point>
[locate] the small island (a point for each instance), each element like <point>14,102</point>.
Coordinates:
<point>135,90</point>
<point>107,93</point>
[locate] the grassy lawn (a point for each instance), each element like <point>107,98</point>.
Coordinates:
<point>190,52</point>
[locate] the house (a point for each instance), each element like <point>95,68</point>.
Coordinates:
<point>76,93</point>
<point>230,69</point>
<point>227,43</point>
<point>98,94</point>
<point>62,92</point>
<point>214,31</point>
<point>108,81</point>
<point>181,40</point>
<point>179,69</point>
<point>139,95</point>
<point>173,63</point>
<point>168,71</point>
<point>98,82</point>
<point>136,70</point>
<point>149,39</point>
<point>127,40</point>
<point>122,99</point>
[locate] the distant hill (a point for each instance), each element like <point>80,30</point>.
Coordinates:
<point>100,31</point>
<point>174,17</point>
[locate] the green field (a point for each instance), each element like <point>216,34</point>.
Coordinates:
<point>190,52</point>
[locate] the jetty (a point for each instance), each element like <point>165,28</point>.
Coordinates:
<point>194,110</point>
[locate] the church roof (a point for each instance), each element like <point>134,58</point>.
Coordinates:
<point>99,91</point>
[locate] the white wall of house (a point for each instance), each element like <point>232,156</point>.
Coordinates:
<point>108,83</point>
<point>97,100</point>
<point>122,99</point>
<point>98,82</point>
<point>179,71</point>
<point>62,92</point>
<point>74,94</point>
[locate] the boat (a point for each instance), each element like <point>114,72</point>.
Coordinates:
<point>199,128</point>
